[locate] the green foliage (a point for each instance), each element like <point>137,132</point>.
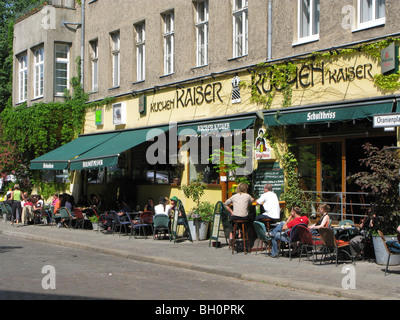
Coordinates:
<point>205,209</point>
<point>382,181</point>
<point>195,189</point>
<point>229,161</point>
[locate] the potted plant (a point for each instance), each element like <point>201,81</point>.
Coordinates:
<point>382,181</point>
<point>194,190</point>
<point>95,222</point>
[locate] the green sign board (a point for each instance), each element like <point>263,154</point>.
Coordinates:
<point>268,172</point>
<point>179,218</point>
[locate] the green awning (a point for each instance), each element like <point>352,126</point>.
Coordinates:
<point>326,114</point>
<point>216,126</point>
<point>107,153</point>
<point>59,158</point>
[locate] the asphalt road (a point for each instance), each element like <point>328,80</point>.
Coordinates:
<point>33,271</point>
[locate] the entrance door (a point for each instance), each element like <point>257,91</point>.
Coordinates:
<point>321,166</point>
<point>331,166</point>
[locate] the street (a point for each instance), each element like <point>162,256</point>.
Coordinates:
<point>80,274</point>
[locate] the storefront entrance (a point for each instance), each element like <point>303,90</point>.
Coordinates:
<point>326,163</point>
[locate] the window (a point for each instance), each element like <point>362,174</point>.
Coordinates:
<point>94,45</point>
<point>115,53</point>
<point>371,13</point>
<point>168,43</point>
<point>308,21</point>
<point>23,77</point>
<point>38,83</point>
<point>240,28</point>
<point>140,51</point>
<point>62,68</point>
<point>201,33</point>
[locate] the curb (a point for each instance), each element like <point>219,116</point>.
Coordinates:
<point>280,282</point>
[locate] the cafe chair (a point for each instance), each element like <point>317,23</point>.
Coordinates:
<point>160,225</point>
<point>307,242</point>
<point>145,221</point>
<point>79,218</point>
<point>392,248</point>
<point>332,245</point>
<point>65,214</point>
<point>260,230</point>
<point>120,221</point>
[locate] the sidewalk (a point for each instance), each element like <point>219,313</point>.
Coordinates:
<point>371,282</point>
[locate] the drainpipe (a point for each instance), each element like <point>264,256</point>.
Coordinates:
<point>82,40</point>
<point>269,30</point>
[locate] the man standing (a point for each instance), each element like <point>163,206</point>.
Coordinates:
<point>279,232</point>
<point>269,200</point>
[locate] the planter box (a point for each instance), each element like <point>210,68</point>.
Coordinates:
<point>95,226</point>
<point>203,230</point>
<point>381,254</point>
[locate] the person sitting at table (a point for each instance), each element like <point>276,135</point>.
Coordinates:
<point>110,217</point>
<point>241,201</point>
<point>162,207</point>
<point>150,205</point>
<point>270,202</point>
<point>282,231</point>
<point>359,243</point>
<point>323,221</point>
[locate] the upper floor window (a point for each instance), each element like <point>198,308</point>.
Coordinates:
<point>38,72</point>
<point>23,77</point>
<point>201,33</point>
<point>371,13</point>
<point>62,68</point>
<point>308,20</point>
<point>169,39</point>
<point>240,28</point>
<point>115,53</point>
<point>140,51</point>
<point>94,55</point>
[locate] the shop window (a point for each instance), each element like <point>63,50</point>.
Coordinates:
<point>200,162</point>
<point>307,159</point>
<point>96,176</point>
<point>58,176</point>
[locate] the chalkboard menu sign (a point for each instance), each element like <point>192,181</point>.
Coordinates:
<point>268,172</point>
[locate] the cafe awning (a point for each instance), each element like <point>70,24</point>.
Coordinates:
<point>216,125</point>
<point>107,153</point>
<point>317,115</point>
<point>59,158</point>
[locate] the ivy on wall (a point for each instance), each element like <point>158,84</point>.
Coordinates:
<point>40,128</point>
<point>280,78</point>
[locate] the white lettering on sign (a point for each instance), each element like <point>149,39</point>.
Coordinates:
<point>48,166</point>
<point>214,127</point>
<point>92,163</point>
<point>321,115</point>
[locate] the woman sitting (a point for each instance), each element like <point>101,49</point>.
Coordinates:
<point>323,222</point>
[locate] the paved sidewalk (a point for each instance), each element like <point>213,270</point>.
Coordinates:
<point>371,282</point>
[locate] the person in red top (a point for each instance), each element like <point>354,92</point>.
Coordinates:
<point>279,232</point>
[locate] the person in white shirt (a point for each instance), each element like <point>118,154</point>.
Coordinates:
<point>162,207</point>
<point>269,200</point>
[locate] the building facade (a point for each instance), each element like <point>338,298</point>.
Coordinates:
<point>307,69</point>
